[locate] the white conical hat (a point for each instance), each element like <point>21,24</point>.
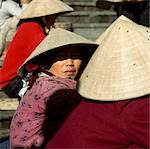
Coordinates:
<point>120,67</point>
<point>58,38</point>
<point>105,34</point>
<point>38,8</point>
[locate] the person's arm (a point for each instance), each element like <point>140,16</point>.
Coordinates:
<point>13,8</point>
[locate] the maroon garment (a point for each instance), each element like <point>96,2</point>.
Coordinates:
<point>105,125</point>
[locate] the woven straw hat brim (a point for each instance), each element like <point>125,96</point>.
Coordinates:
<point>120,67</point>
<point>57,38</point>
<point>38,8</point>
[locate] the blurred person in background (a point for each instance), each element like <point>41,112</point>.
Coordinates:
<point>9,9</point>
<point>35,23</point>
<point>137,10</point>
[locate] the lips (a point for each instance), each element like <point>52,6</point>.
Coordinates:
<point>70,70</point>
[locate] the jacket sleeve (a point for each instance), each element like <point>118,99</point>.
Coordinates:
<point>27,126</point>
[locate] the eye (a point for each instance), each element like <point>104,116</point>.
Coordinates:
<point>75,56</point>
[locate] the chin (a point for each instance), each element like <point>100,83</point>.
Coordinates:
<point>70,77</point>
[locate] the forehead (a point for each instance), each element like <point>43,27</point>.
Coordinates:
<point>58,54</point>
<point>65,50</point>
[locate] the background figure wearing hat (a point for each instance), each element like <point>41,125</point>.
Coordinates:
<point>136,10</point>
<point>8,10</point>
<point>62,55</point>
<point>115,84</point>
<point>34,24</point>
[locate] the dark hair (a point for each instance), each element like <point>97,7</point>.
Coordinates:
<point>17,1</point>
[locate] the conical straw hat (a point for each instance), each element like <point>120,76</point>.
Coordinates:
<point>120,67</point>
<point>57,38</point>
<point>105,34</point>
<point>38,8</point>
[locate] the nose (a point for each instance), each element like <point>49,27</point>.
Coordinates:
<point>69,62</point>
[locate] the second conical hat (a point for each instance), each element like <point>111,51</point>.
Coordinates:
<point>38,8</point>
<point>59,38</point>
<point>120,67</point>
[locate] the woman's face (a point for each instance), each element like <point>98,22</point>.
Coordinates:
<point>66,63</point>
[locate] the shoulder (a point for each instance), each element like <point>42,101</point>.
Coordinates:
<point>136,109</point>
<point>51,82</point>
<point>135,120</point>
<point>26,29</point>
<point>30,25</point>
<point>31,28</point>
<point>138,106</point>
<point>45,87</point>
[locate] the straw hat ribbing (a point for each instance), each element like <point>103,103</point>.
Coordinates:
<point>38,8</point>
<point>57,38</point>
<point>120,67</point>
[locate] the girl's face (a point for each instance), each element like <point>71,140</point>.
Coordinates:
<point>66,63</point>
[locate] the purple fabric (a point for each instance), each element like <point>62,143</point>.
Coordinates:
<point>105,125</point>
<point>26,128</point>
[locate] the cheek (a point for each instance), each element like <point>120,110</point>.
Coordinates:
<point>77,64</point>
<point>55,68</point>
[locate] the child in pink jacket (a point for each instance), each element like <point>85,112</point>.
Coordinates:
<point>54,66</point>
